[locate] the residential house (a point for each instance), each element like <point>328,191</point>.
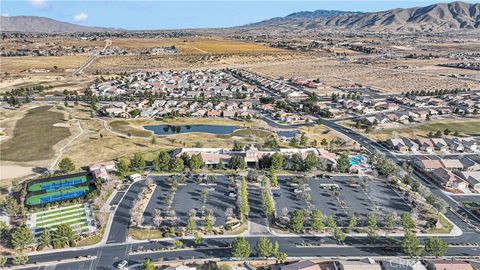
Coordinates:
<point>447,179</point>
<point>469,164</point>
<point>397,144</point>
<point>403,265</point>
<point>301,265</point>
<point>439,144</point>
<point>472,178</point>
<point>427,164</point>
<point>452,164</point>
<point>448,265</point>
<point>425,144</point>
<point>412,146</point>
<point>366,264</point>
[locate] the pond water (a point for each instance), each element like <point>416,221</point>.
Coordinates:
<point>174,129</point>
<point>287,133</point>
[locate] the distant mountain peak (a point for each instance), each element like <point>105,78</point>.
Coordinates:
<point>439,17</point>
<point>35,24</point>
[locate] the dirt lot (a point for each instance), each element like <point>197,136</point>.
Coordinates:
<point>132,63</point>
<point>194,45</point>
<point>57,82</point>
<point>19,64</point>
<point>333,72</point>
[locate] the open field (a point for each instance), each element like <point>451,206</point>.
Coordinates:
<point>56,82</point>
<point>333,72</point>
<point>19,64</point>
<point>132,63</point>
<point>34,135</point>
<point>194,45</point>
<point>463,126</point>
<point>125,127</point>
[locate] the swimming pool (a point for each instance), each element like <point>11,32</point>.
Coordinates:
<point>356,160</point>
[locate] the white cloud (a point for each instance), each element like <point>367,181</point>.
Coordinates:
<point>38,3</point>
<point>82,16</point>
<point>6,15</point>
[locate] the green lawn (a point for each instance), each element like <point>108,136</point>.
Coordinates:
<point>68,216</point>
<point>63,209</point>
<point>466,127</point>
<point>34,135</point>
<point>247,132</point>
<point>126,128</point>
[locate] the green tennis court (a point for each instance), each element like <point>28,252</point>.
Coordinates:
<point>65,194</point>
<point>58,184</point>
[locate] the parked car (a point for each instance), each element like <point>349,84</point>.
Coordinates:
<point>122,265</point>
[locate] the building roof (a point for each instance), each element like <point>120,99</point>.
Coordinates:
<point>450,265</point>
<point>304,265</point>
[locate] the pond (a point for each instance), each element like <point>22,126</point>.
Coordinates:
<point>174,129</point>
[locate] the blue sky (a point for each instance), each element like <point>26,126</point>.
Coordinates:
<point>144,15</point>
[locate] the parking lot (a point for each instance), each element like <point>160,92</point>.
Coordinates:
<point>378,198</point>
<point>188,196</point>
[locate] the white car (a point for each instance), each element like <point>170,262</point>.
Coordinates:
<point>122,264</point>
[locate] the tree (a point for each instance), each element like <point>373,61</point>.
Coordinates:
<point>177,164</point>
<point>3,261</point>
<point>64,236</point>
<point>277,161</point>
<point>209,222</point>
<point>241,248</point>
<point>148,264</point>
<point>331,222</point>
<point>352,223</point>
<point>296,220</point>
<point>343,163</point>
<point>196,162</point>
<point>264,247</point>
<point>236,163</point>
<point>19,258</point>
<point>198,239</point>
<point>390,220</point>
<point>245,208</point>
<point>22,237</point>
<point>274,180</point>
<point>123,166</point>
<point>372,226</point>
<point>66,165</point>
<point>310,162</point>
<point>281,257</point>
<point>45,238</point>
<point>164,161</point>
<point>191,224</point>
<point>410,244</point>
<point>407,222</point>
<point>137,163</point>
<point>339,235</point>
<point>436,246</point>
<point>237,146</point>
<point>317,220</point>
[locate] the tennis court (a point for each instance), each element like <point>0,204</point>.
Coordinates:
<point>50,197</point>
<point>58,184</point>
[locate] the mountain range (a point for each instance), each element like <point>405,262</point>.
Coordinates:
<point>434,18</point>
<point>35,24</point>
<point>440,17</point>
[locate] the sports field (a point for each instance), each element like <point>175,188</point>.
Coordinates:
<point>75,216</point>
<point>58,184</point>
<point>65,194</point>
